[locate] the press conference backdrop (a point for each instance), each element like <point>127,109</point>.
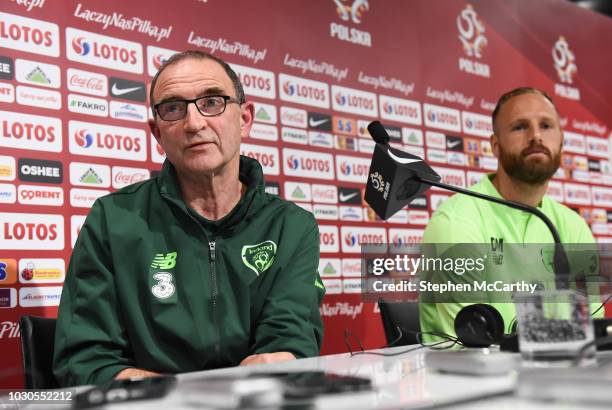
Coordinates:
<point>73,81</point>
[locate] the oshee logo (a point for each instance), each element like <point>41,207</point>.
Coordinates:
<point>302,91</point>
<point>30,35</point>
<point>32,132</point>
<point>308,164</point>
<point>354,101</point>
<point>31,231</point>
<point>107,141</point>
<point>40,170</point>
<point>103,51</point>
<point>353,169</point>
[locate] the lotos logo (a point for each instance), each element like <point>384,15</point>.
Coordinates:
<point>471,31</point>
<point>353,169</point>
<point>32,132</point>
<point>266,156</point>
<point>31,231</point>
<point>293,162</point>
<point>431,116</point>
<point>354,101</point>
<point>80,46</point>
<point>288,88</point>
<point>308,164</point>
<point>565,61</point>
<point>159,60</point>
<point>353,11</point>
<point>340,99</point>
<point>354,237</point>
<point>345,168</point>
<point>350,239</point>
<point>387,108</point>
<point>259,83</point>
<point>29,35</point>
<point>83,138</point>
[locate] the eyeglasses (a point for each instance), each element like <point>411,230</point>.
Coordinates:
<point>208,106</point>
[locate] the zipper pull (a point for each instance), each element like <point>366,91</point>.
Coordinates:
<point>211,246</point>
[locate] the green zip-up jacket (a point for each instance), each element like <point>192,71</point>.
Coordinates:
<point>153,285</point>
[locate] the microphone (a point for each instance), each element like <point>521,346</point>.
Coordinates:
<point>395,178</point>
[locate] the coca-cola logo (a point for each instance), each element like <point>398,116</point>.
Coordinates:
<point>90,83</point>
<point>124,178</point>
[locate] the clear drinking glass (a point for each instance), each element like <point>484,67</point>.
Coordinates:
<point>555,329</point>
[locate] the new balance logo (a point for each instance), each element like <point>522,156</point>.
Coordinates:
<point>164,261</point>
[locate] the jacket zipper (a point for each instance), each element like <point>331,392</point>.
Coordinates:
<point>215,291</point>
<point>213,273</point>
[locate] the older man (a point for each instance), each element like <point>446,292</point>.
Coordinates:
<point>527,141</point>
<point>197,268</point>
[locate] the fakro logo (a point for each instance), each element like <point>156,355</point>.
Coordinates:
<point>39,170</point>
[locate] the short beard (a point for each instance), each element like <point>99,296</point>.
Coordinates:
<point>530,172</point>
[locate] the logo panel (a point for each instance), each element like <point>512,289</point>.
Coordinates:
<point>93,175</point>
<point>31,231</point>
<point>103,51</point>
<point>40,170</point>
<point>294,117</point>
<point>42,270</point>
<point>76,222</point>
<point>87,82</point>
<point>7,168</point>
<point>352,169</point>
<point>320,139</point>
<point>40,296</point>
<point>450,176</point>
<point>101,140</point>
<point>329,240</point>
<point>82,104</point>
<point>8,299</point>
<point>355,236</point>
<point>319,121</point>
<point>8,194</point>
<point>443,118</point>
<point>267,156</point>
<point>325,212</point>
<point>124,176</point>
<point>412,136</point>
<point>401,110</point>
<point>325,194</point>
<point>330,267</point>
<point>40,195</point>
<point>264,132</point>
<point>36,73</point>
<point>476,124</point>
<point>7,68</point>
<point>297,191</point>
<point>157,153</point>
<point>30,35</point>
<point>265,113</point>
<point>8,271</point>
<point>302,91</point>
<point>354,101</point>
<point>294,135</point>
<point>31,132</point>
<point>308,164</point>
<point>127,89</point>
<point>85,198</point>
<point>7,93</point>
<point>128,111</point>
<point>37,97</point>
<point>258,83</point>
<point>577,194</point>
<point>156,56</point>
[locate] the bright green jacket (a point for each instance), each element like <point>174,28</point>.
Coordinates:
<point>153,285</point>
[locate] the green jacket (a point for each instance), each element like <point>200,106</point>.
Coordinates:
<point>153,285</point>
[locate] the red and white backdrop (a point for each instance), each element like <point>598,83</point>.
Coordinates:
<point>73,113</point>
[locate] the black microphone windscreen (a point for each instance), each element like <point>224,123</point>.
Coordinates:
<point>378,132</point>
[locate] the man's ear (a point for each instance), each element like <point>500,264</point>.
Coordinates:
<point>495,145</point>
<point>155,130</point>
<point>246,117</point>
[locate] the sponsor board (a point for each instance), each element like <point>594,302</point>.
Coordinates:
<point>351,267</point>
<point>444,118</point>
<point>436,155</point>
<point>330,268</point>
<point>400,110</point>
<point>352,169</point>
<point>349,196</point>
<point>31,132</point>
<point>40,170</point>
<point>476,124</point>
<point>320,139</point>
<point>417,151</point>
<point>437,200</point>
<point>303,91</point>
<point>488,163</point>
<point>106,141</point>
<point>293,117</point>
<point>40,296</point>
<point>577,194</point>
<point>264,132</point>
<point>308,164</point>
<point>7,92</point>
<point>351,285</point>
<point>420,202</point>
<point>471,146</point>
<point>418,217</point>
<point>265,113</point>
<point>272,188</point>
<point>92,175</point>
<point>354,101</point>
<point>294,135</point>
<point>40,195</point>
<point>329,239</point>
<point>37,97</point>
<point>435,140</point>
<point>30,35</point>
<point>7,68</point>
<point>350,213</point>
<point>412,136</point>
<point>297,191</point>
<point>485,148</point>
<point>355,236</point>
<point>37,73</point>
<point>362,129</point>
<point>8,299</point>
<point>156,56</point>
<point>319,121</point>
<point>29,231</point>
<point>602,196</point>
<point>127,89</point>
<point>395,134</point>
<point>597,147</point>
<point>76,222</point>
<point>342,125</point>
<point>157,152</point>
<point>454,143</point>
<point>474,177</point>
<point>8,194</point>
<point>581,176</point>
<point>87,82</point>
<point>305,206</point>
<point>456,158</point>
<point>267,156</point>
<point>42,270</point>
<point>332,286</point>
<point>343,142</point>
<point>351,13</point>
<point>402,237</point>
<point>366,146</point>
<point>450,176</point>
<point>325,194</point>
<point>82,104</point>
<point>103,51</point>
<point>325,212</point>
<point>124,176</point>
<point>256,82</point>
<point>7,168</point>
<point>128,111</point>
<point>574,143</point>
<point>400,217</point>
<point>85,198</point>
<point>8,271</point>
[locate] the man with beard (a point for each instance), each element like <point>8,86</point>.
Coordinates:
<point>527,141</point>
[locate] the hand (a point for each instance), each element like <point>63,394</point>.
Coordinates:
<point>263,358</point>
<point>132,372</point>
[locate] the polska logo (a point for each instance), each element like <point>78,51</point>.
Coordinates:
<point>378,183</point>
<point>259,257</point>
<point>565,61</point>
<point>352,11</point>
<point>471,31</point>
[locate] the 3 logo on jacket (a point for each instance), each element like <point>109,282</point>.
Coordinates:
<point>259,257</point>
<point>164,287</point>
